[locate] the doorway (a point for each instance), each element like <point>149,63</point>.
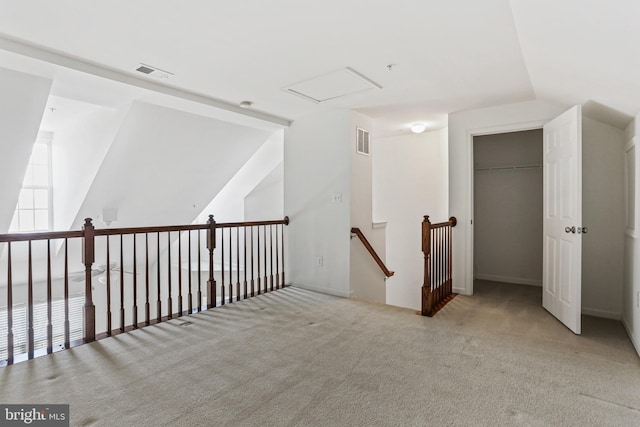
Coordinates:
<point>508,208</point>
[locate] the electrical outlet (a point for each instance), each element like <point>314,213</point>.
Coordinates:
<point>336,198</point>
<point>319,261</point>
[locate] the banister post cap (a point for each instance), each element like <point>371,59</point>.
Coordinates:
<point>87,221</point>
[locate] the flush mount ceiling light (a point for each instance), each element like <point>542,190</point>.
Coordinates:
<point>246,104</point>
<point>418,127</point>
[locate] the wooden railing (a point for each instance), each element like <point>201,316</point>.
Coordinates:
<point>372,251</point>
<point>136,274</point>
<point>436,247</point>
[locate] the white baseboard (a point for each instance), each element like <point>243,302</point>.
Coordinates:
<point>461,291</point>
<point>633,339</point>
<point>334,292</point>
<point>595,312</point>
<point>506,279</point>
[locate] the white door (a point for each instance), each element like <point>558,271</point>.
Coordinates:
<point>562,218</point>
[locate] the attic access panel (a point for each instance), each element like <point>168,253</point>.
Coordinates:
<point>336,84</point>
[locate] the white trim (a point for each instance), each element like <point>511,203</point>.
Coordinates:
<point>24,48</point>
<point>379,224</point>
<point>506,279</point>
<point>334,292</point>
<point>632,338</point>
<point>629,231</point>
<point>513,127</point>
<point>605,314</point>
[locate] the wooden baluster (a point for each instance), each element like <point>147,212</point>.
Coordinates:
<point>147,305</point>
<point>10,344</point>
<point>449,261</point>
<point>426,284</point>
<point>258,284</point>
<point>134,309</point>
<point>169,300</point>
<point>271,257</point>
<point>199,274</point>
<point>286,222</point>
<point>246,284</point>
<point>211,244</point>
<point>436,251</point>
<point>30,305</point>
<point>49,302</point>
<point>158,302</point>
<point>88,258</point>
<point>238,263</point>
<point>190,305</point>
<point>230,268</point>
<point>107,273</point>
<point>440,263</point>
<point>277,260</point>
<point>222,284</point>
<point>179,273</point>
<point>253,290</point>
<point>265,258</point>
<point>121,310</point>
<point>67,332</point>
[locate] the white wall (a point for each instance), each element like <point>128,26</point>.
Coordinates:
<point>366,278</point>
<point>508,207</point>
<point>603,214</point>
<point>409,180</point>
<point>316,168</point>
<point>631,278</point>
<point>462,127</point>
<point>22,102</point>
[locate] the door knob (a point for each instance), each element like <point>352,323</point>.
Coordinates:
<point>570,230</point>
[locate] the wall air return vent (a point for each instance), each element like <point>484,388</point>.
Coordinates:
<point>363,145</point>
<point>154,71</point>
<point>336,84</point>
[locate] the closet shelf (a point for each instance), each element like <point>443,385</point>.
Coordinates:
<point>514,167</point>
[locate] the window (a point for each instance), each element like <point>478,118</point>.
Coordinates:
<point>20,325</point>
<point>34,209</point>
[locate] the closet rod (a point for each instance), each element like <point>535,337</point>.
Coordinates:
<point>510,167</point>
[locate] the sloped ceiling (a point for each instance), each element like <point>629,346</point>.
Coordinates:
<point>160,155</point>
<point>444,56</point>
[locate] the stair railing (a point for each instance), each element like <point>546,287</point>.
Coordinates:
<point>436,247</point>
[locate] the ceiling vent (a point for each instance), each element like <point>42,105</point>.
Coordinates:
<point>153,71</point>
<point>336,84</point>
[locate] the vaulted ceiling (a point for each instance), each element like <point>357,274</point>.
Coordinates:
<point>430,57</point>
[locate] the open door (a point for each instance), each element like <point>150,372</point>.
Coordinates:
<point>562,218</point>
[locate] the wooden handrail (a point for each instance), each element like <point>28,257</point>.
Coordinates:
<point>372,251</point>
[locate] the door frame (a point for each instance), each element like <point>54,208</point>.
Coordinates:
<point>512,127</point>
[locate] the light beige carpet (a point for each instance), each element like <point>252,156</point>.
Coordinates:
<point>294,357</point>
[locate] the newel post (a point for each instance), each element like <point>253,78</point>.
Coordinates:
<point>211,245</point>
<point>88,258</point>
<point>426,250</point>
